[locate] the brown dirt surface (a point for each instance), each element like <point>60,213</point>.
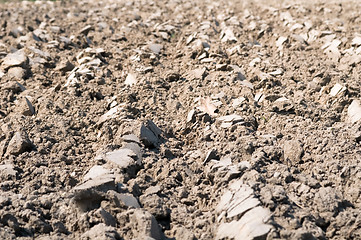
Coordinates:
<point>180,119</point>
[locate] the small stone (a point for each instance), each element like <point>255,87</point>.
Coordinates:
<point>234,118</point>
<point>31,109</point>
<point>152,190</point>
<point>127,199</point>
<point>85,30</point>
<point>276,72</point>
<point>354,111</point>
<point>16,59</point>
<point>108,219</point>
<point>259,97</point>
<point>25,107</point>
<point>102,183</point>
<point>55,29</point>
<point>283,105</point>
<point>280,41</point>
<point>191,116</point>
<point>212,154</point>
<point>130,80</point>
<point>101,232</point>
<point>149,134</point>
<point>207,106</point>
<point>7,172</point>
<point>337,89</point>
<point>173,76</point>
<point>95,172</point>
<point>198,73</point>
<point>356,41</point>
<point>17,73</point>
<point>183,233</point>
<point>135,147</point>
<point>293,151</point>
<point>123,158</point>
<point>112,113</point>
<point>145,225</point>
<point>156,48</point>
<point>19,143</point>
<point>238,102</point>
<point>131,138</point>
<point>65,66</point>
<point>221,67</point>
<point>89,194</point>
<point>250,226</point>
<point>242,207</point>
<point>227,35</point>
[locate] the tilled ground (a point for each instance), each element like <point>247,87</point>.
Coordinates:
<point>180,120</point>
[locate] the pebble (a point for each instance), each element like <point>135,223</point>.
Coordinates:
<point>101,231</point>
<point>95,172</point>
<point>85,30</point>
<point>16,59</point>
<point>239,201</point>
<point>337,89</point>
<point>212,154</point>
<point>17,73</point>
<point>127,199</point>
<point>149,134</point>
<point>251,226</point>
<point>293,151</point>
<point>131,79</point>
<point>19,143</point>
<point>7,172</point>
<point>146,226</point>
<point>354,111</point>
<point>123,158</point>
<point>156,48</point>
<point>65,66</point>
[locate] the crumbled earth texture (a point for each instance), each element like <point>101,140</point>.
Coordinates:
<point>180,119</point>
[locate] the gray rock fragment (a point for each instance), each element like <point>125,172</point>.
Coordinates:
<point>183,233</point>
<point>152,190</point>
<point>145,225</point>
<point>212,154</point>
<point>293,151</point>
<point>150,134</point>
<point>88,195</point>
<point>156,48</point>
<point>354,111</point>
<point>17,73</point>
<point>19,143</point>
<point>123,158</point>
<point>95,172</point>
<point>198,73</point>
<point>242,207</point>
<point>127,200</point>
<point>7,172</point>
<point>65,66</point>
<point>101,232</point>
<point>229,120</point>
<point>251,226</point>
<point>85,30</point>
<point>131,138</point>
<point>137,151</point>
<point>102,183</point>
<point>108,219</point>
<point>16,59</point>
<point>191,116</point>
<point>31,109</point>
